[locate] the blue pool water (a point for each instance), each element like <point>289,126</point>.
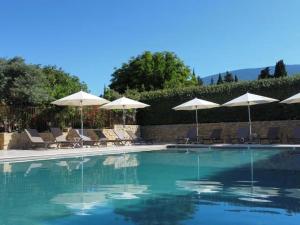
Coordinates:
<point>163,187</point>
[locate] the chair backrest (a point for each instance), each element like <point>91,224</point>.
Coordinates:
<point>132,134</point>
<point>34,136</point>
<point>273,133</point>
<point>216,133</point>
<point>121,134</point>
<point>100,135</point>
<point>192,133</point>
<point>58,134</point>
<point>296,133</point>
<point>84,136</point>
<point>243,133</point>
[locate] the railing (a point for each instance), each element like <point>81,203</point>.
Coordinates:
<point>17,118</point>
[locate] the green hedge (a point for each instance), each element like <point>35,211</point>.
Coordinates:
<point>163,101</point>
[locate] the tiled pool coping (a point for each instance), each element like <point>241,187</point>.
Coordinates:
<point>262,146</point>
<point>32,155</point>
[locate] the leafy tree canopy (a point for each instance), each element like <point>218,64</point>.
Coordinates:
<point>28,84</point>
<point>152,71</point>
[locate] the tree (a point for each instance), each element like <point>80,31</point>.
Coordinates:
<point>30,89</point>
<point>220,79</point>
<point>152,71</point>
<point>199,80</point>
<point>264,74</point>
<point>236,79</point>
<point>61,83</point>
<point>34,85</point>
<point>280,70</point>
<point>228,77</point>
<point>212,81</point>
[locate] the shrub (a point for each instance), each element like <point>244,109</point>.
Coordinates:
<point>162,102</point>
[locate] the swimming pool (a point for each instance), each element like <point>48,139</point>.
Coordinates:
<point>204,186</point>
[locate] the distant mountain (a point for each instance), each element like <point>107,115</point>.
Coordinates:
<point>252,73</point>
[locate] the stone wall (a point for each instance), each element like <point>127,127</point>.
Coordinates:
<point>133,128</point>
<point>169,133</point>
<point>17,140</point>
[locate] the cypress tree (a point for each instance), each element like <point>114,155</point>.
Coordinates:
<point>212,81</point>
<point>220,79</point>
<point>280,70</point>
<point>264,74</point>
<point>236,79</point>
<point>200,81</point>
<point>228,77</point>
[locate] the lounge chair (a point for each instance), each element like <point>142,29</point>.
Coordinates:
<point>295,138</point>
<point>273,135</point>
<point>138,140</point>
<point>215,136</point>
<point>103,139</point>
<point>191,137</point>
<point>36,140</point>
<point>60,139</point>
<point>242,135</point>
<point>122,137</point>
<point>85,139</point>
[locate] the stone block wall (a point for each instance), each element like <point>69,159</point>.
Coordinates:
<point>169,133</point>
<point>21,141</point>
<point>133,128</point>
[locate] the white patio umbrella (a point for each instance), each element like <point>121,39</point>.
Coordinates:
<point>196,104</point>
<point>80,99</point>
<point>293,99</point>
<point>124,103</point>
<point>248,100</point>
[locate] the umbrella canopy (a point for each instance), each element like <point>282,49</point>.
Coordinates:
<point>80,99</point>
<point>124,103</point>
<point>293,99</point>
<point>249,99</point>
<point>196,104</point>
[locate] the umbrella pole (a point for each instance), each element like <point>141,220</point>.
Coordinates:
<point>124,117</point>
<point>250,125</point>
<point>197,123</point>
<point>81,121</point>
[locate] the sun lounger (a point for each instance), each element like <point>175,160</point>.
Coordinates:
<point>242,135</point>
<point>295,138</point>
<point>103,139</point>
<point>215,136</point>
<point>36,140</point>
<point>191,137</point>
<point>122,137</point>
<point>273,135</point>
<point>139,140</point>
<point>85,139</point>
<point>61,140</point>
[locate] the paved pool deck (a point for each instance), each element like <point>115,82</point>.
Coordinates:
<point>32,155</point>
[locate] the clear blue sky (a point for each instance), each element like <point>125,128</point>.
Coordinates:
<point>88,38</point>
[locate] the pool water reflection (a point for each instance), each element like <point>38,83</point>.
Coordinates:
<point>167,187</point>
